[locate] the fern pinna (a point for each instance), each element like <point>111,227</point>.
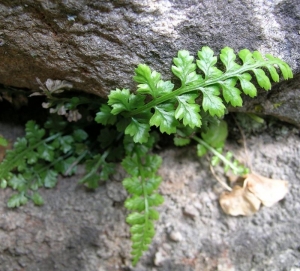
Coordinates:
<point>180,111</point>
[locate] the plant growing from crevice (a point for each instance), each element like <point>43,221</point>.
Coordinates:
<point>191,109</point>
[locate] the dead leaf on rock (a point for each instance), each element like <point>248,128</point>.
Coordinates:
<point>239,201</point>
<point>268,191</point>
<point>256,189</point>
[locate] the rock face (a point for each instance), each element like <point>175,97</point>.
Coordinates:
<point>97,44</point>
<point>78,230</point>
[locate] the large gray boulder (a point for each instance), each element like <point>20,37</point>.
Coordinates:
<point>97,44</point>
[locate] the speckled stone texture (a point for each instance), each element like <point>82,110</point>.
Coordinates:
<point>79,230</point>
<point>97,44</point>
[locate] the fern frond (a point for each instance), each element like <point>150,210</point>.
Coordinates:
<point>36,161</point>
<point>141,184</point>
<point>169,107</point>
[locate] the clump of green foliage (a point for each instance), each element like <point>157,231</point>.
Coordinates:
<point>191,109</point>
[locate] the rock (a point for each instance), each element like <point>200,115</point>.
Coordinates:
<point>160,257</point>
<point>190,211</point>
<point>79,230</point>
<point>175,236</point>
<point>282,101</point>
<point>116,191</point>
<point>97,46</point>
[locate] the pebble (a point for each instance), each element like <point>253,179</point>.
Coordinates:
<point>159,257</point>
<point>175,236</point>
<point>191,211</point>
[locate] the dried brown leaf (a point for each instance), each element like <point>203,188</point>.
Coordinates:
<point>268,191</point>
<point>239,201</point>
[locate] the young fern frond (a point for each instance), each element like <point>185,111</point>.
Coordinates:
<point>142,183</point>
<point>214,87</point>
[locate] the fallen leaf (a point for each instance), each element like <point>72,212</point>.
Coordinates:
<point>240,201</point>
<point>268,191</point>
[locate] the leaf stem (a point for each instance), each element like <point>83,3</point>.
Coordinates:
<point>95,167</point>
<point>219,155</point>
<point>146,211</point>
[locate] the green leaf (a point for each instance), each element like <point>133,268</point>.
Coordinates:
<point>64,165</point>
<point>201,150</point>
<point>17,200</point>
<point>3,184</point>
<point>131,165</point>
<point>105,116</point>
<point>80,135</point>
<point>247,87</point>
<point>180,141</point>
<point>286,70</point>
<point>187,110</point>
<point>257,56</point>
<point>262,79</point>
<point>91,181</point>
<point>206,63</point>
<point>155,200</point>
<point>152,163</point>
<point>246,57</point>
<point>135,203</point>
<point>32,157</point>
<point>134,185</point>
<point>284,67</point>
<point>3,141</point>
<point>107,170</point>
<point>122,100</point>
<point>144,76</point>
<point>46,152</point>
<point>231,94</point>
<point>211,102</point>
<point>65,143</point>
<point>273,72</point>
<point>140,149</point>
<point>49,178</point>
<point>17,182</point>
<point>228,57</point>
<point>164,118</point>
<point>150,82</point>
<point>216,134</point>
<point>37,199</point>
<point>135,218</point>
<point>33,133</point>
<point>185,69</point>
<point>138,130</point>
<point>164,87</point>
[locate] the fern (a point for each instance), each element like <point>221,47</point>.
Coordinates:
<point>37,159</point>
<point>143,181</point>
<point>198,102</point>
<point>190,109</point>
<point>168,107</point>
